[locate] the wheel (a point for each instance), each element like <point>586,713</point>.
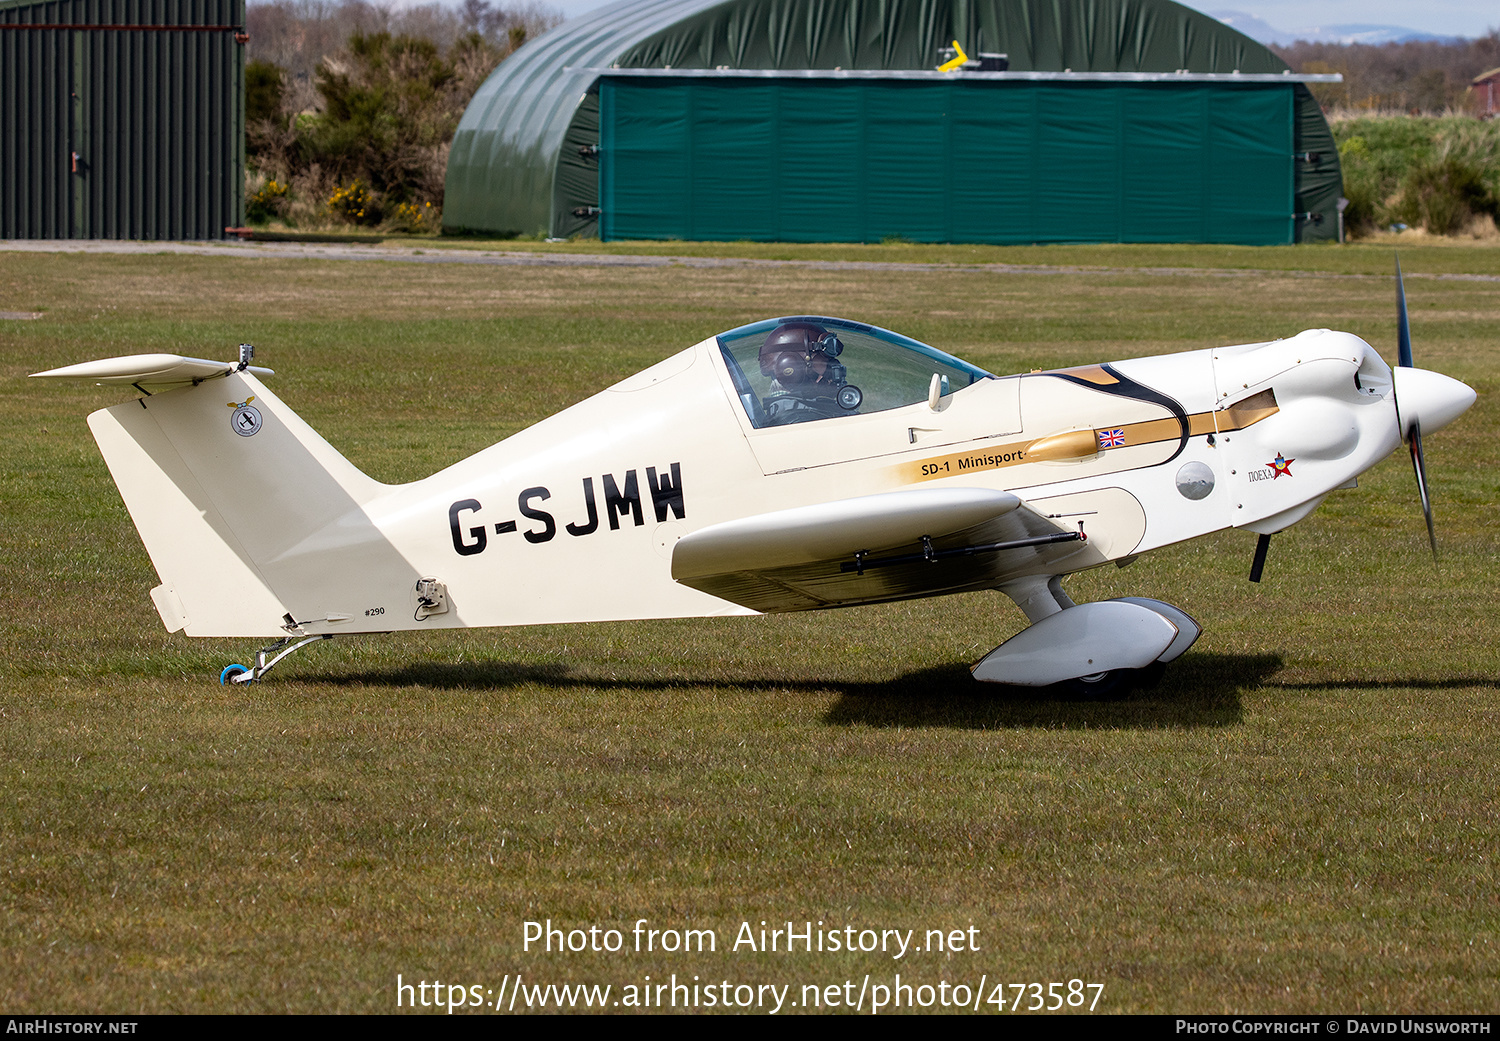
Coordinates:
<point>227,677</point>
<point>1101,686</point>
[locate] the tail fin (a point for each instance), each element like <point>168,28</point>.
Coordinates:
<point>254,522</point>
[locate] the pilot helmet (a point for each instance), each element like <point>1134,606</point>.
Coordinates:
<point>801,353</point>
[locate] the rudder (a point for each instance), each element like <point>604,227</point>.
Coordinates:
<point>227,487</point>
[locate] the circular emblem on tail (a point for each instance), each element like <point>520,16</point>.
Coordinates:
<point>245,420</point>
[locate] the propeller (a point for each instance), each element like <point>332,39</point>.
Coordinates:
<point>1412,432</point>
<point>1422,398</point>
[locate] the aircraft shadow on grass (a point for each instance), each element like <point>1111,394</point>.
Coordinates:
<point>1200,690</point>
<point>1455,683</point>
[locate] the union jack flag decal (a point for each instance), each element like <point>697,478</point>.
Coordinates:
<point>1111,438</point>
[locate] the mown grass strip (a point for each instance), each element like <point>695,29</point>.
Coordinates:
<point>1301,817</point>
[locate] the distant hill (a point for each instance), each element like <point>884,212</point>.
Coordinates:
<point>1355,32</point>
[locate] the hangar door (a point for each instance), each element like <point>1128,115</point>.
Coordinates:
<point>944,160</point>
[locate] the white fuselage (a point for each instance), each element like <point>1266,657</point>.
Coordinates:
<point>574,519</point>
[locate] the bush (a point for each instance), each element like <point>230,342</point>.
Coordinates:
<point>370,144</point>
<point>265,91</point>
<point>1362,187</point>
<point>413,218</point>
<point>1433,172</point>
<point>386,116</point>
<point>352,203</point>
<point>265,198</point>
<point>1444,196</point>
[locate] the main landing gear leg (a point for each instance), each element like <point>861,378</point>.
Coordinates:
<point>264,663</point>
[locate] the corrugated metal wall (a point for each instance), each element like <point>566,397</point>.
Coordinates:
<point>121,119</point>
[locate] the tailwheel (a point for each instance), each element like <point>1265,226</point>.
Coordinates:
<point>267,657</point>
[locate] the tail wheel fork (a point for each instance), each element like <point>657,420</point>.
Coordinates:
<point>267,658</point>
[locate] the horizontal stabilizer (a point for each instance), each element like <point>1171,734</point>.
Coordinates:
<point>148,370</point>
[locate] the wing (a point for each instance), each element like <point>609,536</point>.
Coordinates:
<point>893,546</point>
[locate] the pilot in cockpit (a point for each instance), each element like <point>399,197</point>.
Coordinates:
<point>807,381</point>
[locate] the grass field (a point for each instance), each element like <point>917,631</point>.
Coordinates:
<point>1302,816</point>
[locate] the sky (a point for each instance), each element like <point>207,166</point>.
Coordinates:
<point>1447,17</point>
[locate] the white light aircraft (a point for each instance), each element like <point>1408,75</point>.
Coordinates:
<point>793,464</point>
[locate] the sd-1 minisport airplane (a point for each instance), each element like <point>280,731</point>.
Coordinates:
<point>793,464</point>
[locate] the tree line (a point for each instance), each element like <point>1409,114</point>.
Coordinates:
<point>1425,77</point>
<point>352,107</point>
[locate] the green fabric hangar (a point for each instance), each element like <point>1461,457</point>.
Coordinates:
<point>829,120</point>
<point>121,119</point>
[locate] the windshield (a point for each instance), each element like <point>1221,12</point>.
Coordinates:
<point>805,368</point>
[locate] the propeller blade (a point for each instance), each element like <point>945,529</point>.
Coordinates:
<point>1403,325</point>
<point>1413,433</point>
<point>1259,563</point>
<point>1419,464</point>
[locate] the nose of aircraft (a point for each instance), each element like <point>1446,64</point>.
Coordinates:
<point>1428,400</point>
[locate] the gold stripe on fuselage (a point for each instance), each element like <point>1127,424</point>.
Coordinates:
<point>1084,444</point>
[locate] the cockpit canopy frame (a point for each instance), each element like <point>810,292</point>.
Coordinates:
<point>803,368</point>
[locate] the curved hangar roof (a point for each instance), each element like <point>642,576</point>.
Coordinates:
<point>524,158</point>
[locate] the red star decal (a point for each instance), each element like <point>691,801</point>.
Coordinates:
<point>1281,466</point>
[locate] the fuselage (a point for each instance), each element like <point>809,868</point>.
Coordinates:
<point>575,518</point>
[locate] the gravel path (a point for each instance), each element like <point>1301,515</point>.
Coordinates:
<point>405,254</point>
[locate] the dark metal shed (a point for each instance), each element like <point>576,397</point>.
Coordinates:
<point>121,119</point>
